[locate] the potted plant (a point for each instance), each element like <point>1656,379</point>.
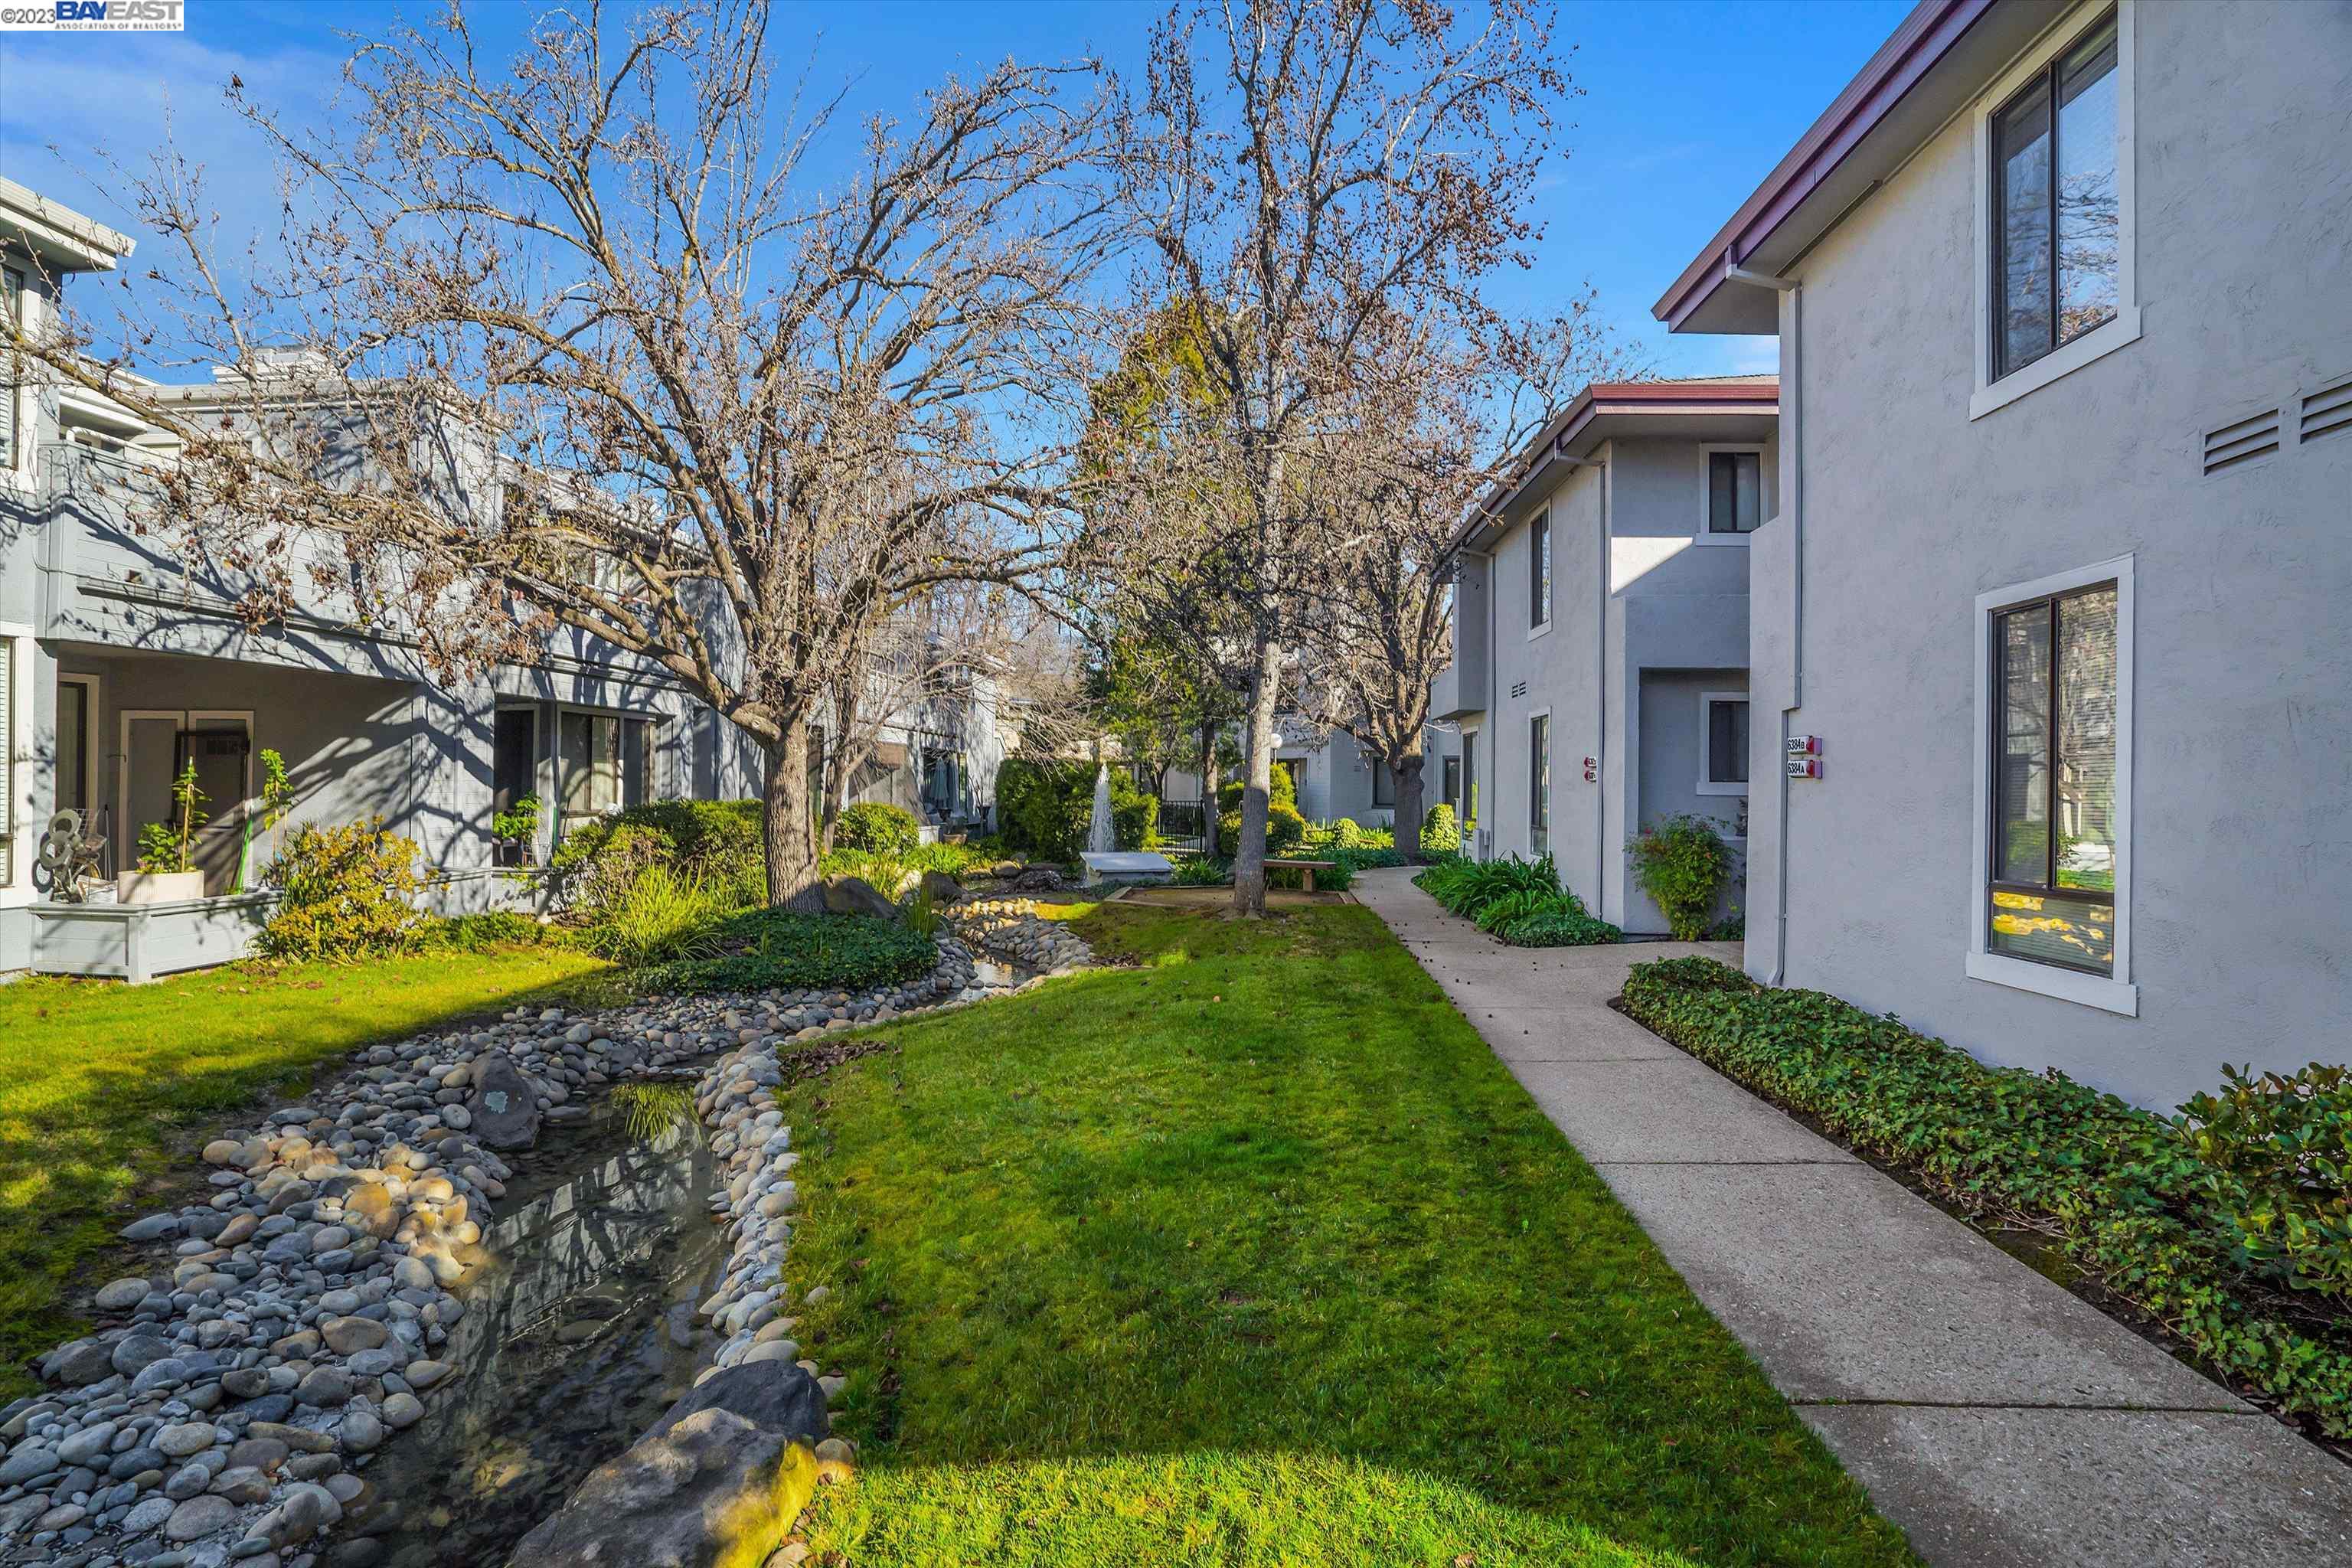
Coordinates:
<point>167,872</point>
<point>516,830</point>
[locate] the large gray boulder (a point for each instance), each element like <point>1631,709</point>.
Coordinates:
<point>504,1105</point>
<point>856,896</point>
<point>730,1460</point>
<point>942,888</point>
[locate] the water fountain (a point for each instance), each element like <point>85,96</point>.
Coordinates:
<point>1107,865</point>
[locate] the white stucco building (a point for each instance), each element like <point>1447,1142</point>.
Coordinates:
<point>1599,674</point>
<point>2060,569</point>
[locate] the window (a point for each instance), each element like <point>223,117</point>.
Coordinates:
<point>607,764</point>
<point>1469,783</point>
<point>77,751</point>
<point>1539,572</point>
<point>2052,912</point>
<point>2055,210</point>
<point>1723,742</point>
<point>1538,781</point>
<point>12,304</point>
<point>1735,491</point>
<point>1450,779</point>
<point>1383,783</point>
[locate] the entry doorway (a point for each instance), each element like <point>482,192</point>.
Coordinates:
<point>514,769</point>
<point>158,744</point>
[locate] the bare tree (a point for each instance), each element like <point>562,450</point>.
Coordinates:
<point>742,423</point>
<point>1412,452</point>
<point>1312,167</point>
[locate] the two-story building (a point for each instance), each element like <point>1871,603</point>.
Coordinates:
<point>2055,599</point>
<point>123,662</point>
<point>1600,673</point>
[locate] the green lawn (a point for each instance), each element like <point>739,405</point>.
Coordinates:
<point>106,1089</point>
<point>1256,1256</point>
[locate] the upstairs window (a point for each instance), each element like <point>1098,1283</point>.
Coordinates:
<point>2056,203</point>
<point>1735,491</point>
<point>12,376</point>
<point>1540,571</point>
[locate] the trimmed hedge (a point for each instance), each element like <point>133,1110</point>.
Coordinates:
<point>2169,1213</point>
<point>768,950</point>
<point>1046,809</point>
<point>877,826</point>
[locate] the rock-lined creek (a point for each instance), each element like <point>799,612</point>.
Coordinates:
<point>419,1309</point>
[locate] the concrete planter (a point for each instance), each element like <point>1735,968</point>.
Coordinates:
<point>138,942</point>
<point>159,887</point>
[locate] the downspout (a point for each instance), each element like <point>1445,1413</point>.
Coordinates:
<point>1792,505</point>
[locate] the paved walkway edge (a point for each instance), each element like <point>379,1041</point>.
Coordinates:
<point>1998,1420</point>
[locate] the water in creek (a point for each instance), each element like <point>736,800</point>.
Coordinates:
<point>577,1335</point>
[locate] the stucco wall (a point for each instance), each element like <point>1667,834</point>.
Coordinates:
<point>2242,790</point>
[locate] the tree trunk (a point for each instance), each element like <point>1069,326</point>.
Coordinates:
<point>1257,781</point>
<point>785,825</point>
<point>1406,770</point>
<point>1209,781</point>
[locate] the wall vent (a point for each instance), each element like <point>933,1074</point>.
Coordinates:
<point>1519,689</point>
<point>2242,442</point>
<point>2327,411</point>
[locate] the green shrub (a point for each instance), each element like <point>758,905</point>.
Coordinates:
<point>2166,1213</point>
<point>878,827</point>
<point>1283,790</point>
<point>1683,864</point>
<point>922,914</point>
<point>2278,1151</point>
<point>1519,901</point>
<point>1440,833</point>
<point>768,948</point>
<point>717,837</point>
<point>1046,809</point>
<point>663,913</point>
<point>1201,873</point>
<point>346,892</point>
<point>482,932</point>
<point>1284,828</point>
<point>626,852</point>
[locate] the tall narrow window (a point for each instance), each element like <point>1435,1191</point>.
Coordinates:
<point>1469,785</point>
<point>1383,783</point>
<point>2052,899</point>
<point>1723,742</point>
<point>1540,571</point>
<point>12,304</point>
<point>1452,786</point>
<point>2056,210</point>
<point>1539,780</point>
<point>1735,491</point>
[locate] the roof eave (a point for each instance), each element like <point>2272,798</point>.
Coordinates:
<point>59,236</point>
<point>1949,47</point>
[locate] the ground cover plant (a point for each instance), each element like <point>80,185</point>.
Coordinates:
<point>106,1089</point>
<point>1518,901</point>
<point>767,949</point>
<point>2227,1222</point>
<point>1251,1253</point>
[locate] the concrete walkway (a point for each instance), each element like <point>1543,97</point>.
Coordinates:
<point>1994,1416</point>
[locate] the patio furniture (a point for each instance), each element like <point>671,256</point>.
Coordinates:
<point>1305,867</point>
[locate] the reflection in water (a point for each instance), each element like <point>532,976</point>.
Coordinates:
<point>577,1335</point>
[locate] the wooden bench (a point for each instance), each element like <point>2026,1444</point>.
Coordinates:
<point>1305,867</point>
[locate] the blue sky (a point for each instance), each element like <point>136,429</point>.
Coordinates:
<point>1686,104</point>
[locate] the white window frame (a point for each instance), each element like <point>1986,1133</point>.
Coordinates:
<point>2112,994</point>
<point>18,473</point>
<point>1703,532</point>
<point>1989,394</point>
<point>93,747</point>
<point>16,815</point>
<point>1542,519</point>
<point>1705,736</point>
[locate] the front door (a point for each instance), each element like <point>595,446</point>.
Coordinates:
<point>157,745</point>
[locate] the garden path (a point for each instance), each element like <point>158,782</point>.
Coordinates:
<point>1996,1418</point>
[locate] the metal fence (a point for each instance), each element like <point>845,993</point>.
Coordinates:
<point>1184,824</point>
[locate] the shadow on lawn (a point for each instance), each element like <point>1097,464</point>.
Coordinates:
<point>106,1092</point>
